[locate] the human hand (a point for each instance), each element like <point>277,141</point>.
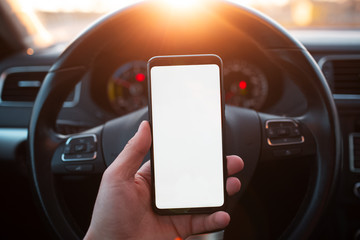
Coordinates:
<point>123,206</point>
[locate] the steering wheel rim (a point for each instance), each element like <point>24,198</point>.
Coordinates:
<point>320,118</point>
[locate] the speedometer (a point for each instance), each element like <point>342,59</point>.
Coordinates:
<point>127,87</point>
<point>245,85</point>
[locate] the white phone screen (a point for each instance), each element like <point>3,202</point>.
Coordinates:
<point>187,136</point>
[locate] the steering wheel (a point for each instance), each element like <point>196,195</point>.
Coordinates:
<point>255,136</point>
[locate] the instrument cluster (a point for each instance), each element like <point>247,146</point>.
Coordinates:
<point>245,85</point>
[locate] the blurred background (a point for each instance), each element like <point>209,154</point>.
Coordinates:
<point>62,20</point>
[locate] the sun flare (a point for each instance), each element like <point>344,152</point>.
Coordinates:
<point>182,4</point>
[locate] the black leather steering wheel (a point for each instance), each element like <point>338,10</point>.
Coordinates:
<point>251,134</point>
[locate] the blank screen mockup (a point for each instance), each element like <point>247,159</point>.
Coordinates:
<point>187,136</point>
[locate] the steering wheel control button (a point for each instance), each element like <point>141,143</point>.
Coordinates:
<point>283,132</point>
<point>80,168</point>
<point>285,141</point>
<point>80,148</point>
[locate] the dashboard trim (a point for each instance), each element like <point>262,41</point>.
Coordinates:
<point>10,139</point>
<point>346,96</point>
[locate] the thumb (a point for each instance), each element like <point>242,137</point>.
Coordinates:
<point>129,160</point>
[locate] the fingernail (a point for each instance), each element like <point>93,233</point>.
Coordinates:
<point>141,125</point>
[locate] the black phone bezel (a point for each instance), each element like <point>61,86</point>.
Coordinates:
<point>187,60</point>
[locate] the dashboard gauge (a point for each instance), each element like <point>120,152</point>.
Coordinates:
<point>245,85</point>
<point>127,87</point>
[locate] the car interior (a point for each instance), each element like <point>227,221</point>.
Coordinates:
<point>292,95</point>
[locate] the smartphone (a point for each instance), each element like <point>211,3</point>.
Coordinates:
<point>186,113</point>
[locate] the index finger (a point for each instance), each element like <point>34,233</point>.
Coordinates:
<point>234,164</point>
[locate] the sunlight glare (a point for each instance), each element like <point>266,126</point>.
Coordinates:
<point>181,4</point>
<point>302,12</point>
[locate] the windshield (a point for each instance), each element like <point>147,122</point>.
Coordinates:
<point>65,19</point>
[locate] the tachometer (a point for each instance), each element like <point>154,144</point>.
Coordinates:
<point>127,87</point>
<point>245,85</point>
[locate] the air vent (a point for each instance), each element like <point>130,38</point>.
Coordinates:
<point>22,84</point>
<point>346,76</point>
<point>354,144</point>
<point>342,73</point>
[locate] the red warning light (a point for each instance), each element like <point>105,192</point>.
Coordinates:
<point>140,77</point>
<point>242,85</point>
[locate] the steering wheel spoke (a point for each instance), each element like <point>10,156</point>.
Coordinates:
<point>79,154</point>
<point>285,138</point>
